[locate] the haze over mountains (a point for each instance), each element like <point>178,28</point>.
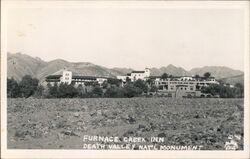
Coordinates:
<point>19,65</point>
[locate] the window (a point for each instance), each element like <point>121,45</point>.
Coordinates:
<point>166,86</point>
<point>160,87</point>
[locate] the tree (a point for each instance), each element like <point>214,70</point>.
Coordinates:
<point>53,90</point>
<point>67,91</point>
<point>128,80</point>
<point>28,86</point>
<point>141,85</point>
<point>97,91</point>
<point>39,91</point>
<point>149,81</point>
<point>114,92</point>
<point>91,83</point>
<point>105,85</point>
<point>81,91</point>
<point>197,76</point>
<point>164,76</point>
<point>153,88</point>
<point>227,92</point>
<point>131,91</point>
<point>207,75</point>
<point>116,82</point>
<point>71,91</point>
<point>213,89</point>
<point>61,90</point>
<point>239,90</point>
<point>12,88</point>
<point>221,90</point>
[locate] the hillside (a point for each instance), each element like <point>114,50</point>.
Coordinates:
<point>216,71</point>
<point>121,71</point>
<point>21,64</point>
<point>233,80</point>
<point>171,70</point>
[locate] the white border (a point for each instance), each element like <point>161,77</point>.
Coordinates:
<point>7,153</point>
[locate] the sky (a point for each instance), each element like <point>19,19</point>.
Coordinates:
<point>130,37</point>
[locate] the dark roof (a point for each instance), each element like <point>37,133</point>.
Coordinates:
<point>129,74</point>
<point>84,77</point>
<point>154,77</point>
<point>52,80</point>
<point>53,77</point>
<point>138,72</point>
<point>89,77</point>
<point>180,85</point>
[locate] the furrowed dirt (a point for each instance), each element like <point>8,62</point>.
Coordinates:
<point>62,123</point>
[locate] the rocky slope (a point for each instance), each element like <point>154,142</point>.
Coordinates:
<point>19,65</point>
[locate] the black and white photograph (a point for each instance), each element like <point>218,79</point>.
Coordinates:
<point>131,77</point>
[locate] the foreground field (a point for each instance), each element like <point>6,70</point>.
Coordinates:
<point>62,123</point>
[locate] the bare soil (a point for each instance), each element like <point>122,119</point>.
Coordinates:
<point>62,123</point>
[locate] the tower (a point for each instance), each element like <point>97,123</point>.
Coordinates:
<point>147,72</point>
<point>66,77</point>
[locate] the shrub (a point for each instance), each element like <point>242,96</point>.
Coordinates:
<point>97,91</point>
<point>28,86</point>
<point>131,91</point>
<point>141,85</point>
<point>114,92</point>
<point>13,90</point>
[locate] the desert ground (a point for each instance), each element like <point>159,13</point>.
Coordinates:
<point>62,123</point>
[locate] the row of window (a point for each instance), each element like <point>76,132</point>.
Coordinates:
<point>199,83</point>
<point>176,82</point>
<point>185,88</point>
<point>161,87</point>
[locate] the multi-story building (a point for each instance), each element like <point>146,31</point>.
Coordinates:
<point>172,86</point>
<point>135,75</point>
<point>182,86</point>
<point>68,77</point>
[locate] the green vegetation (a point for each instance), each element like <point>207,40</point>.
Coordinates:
<point>25,88</point>
<point>225,91</point>
<point>112,88</point>
<point>207,75</point>
<point>164,76</point>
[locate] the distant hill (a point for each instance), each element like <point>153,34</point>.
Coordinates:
<point>83,68</point>
<point>122,71</point>
<point>233,80</point>
<point>21,64</point>
<point>216,71</point>
<point>171,70</point>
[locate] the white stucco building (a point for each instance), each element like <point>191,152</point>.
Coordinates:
<point>68,77</point>
<point>135,75</point>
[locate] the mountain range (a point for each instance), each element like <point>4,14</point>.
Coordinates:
<point>19,64</point>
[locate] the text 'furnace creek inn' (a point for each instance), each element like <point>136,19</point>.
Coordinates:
<point>172,86</point>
